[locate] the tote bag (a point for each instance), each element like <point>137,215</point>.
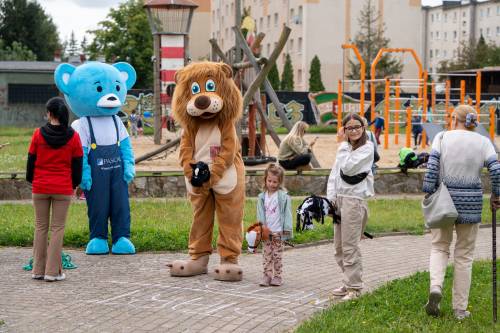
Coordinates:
<point>439,209</point>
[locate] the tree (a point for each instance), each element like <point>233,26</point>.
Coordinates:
<point>125,36</point>
<point>287,75</point>
<point>315,82</point>
<point>472,56</point>
<point>84,45</point>
<point>72,48</point>
<point>274,77</point>
<point>369,40</point>
<point>26,22</point>
<point>17,52</point>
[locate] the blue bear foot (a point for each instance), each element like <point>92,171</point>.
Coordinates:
<point>123,246</point>
<point>97,246</point>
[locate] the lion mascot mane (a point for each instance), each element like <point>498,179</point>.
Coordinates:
<point>207,104</point>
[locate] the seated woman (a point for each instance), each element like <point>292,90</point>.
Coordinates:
<point>294,151</point>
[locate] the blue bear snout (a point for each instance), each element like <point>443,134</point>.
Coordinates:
<point>109,101</point>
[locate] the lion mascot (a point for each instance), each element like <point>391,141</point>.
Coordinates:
<point>207,104</point>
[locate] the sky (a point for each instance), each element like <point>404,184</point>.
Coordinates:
<point>82,15</point>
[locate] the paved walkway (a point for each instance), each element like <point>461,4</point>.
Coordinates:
<point>136,293</point>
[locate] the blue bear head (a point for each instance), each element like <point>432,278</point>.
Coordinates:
<point>95,88</point>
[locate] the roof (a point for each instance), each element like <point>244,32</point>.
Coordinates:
<point>28,66</point>
<point>484,69</point>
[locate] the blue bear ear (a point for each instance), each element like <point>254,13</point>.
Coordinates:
<point>127,73</point>
<point>62,75</point>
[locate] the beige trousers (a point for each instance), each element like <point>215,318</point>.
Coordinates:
<point>347,234</point>
<point>463,258</point>
<point>272,255</point>
<point>47,258</point>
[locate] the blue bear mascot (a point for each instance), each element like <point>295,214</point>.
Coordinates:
<point>95,92</point>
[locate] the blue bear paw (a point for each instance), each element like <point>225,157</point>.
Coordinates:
<point>97,246</point>
<point>123,246</point>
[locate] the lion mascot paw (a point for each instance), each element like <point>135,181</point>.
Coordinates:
<point>207,104</point>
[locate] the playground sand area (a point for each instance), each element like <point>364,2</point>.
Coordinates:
<point>324,150</point>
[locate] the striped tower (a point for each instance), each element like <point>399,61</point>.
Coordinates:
<point>172,59</point>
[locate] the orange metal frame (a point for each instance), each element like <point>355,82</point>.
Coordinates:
<point>362,76</point>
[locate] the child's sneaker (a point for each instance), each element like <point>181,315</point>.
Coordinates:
<point>266,280</point>
<point>461,314</point>
<point>50,278</point>
<point>37,276</point>
<point>432,306</point>
<point>276,281</point>
<point>341,291</point>
<point>351,295</point>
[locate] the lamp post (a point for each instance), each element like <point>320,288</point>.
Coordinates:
<point>170,21</point>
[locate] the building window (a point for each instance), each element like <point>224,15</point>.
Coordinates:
<point>261,23</point>
<point>268,21</point>
<point>444,53</point>
<point>437,53</point>
<point>488,12</point>
<point>432,35</point>
<point>464,33</point>
<point>437,35</point>
<point>454,16</point>
<point>438,17</point>
<point>30,93</point>
<point>290,49</point>
<point>481,32</point>
<point>498,31</point>
<point>430,54</point>
<point>445,16</point>
<point>488,32</point>
<point>299,75</point>
<point>227,9</point>
<point>498,10</point>
<point>464,23</point>
<point>432,17</point>
<point>275,19</point>
<point>454,53</point>
<point>292,13</point>
<point>268,49</point>
<point>226,33</point>
<point>464,14</point>
<point>454,35</point>
<point>232,8</point>
<point>299,47</point>
<point>481,13</point>
<point>445,36</point>
<point>300,14</point>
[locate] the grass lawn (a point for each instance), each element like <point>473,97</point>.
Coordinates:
<point>13,157</point>
<point>398,307</point>
<point>164,225</point>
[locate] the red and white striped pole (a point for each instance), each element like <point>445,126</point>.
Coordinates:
<point>172,59</point>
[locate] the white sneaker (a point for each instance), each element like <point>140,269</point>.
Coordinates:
<point>50,278</point>
<point>461,314</point>
<point>37,276</point>
<point>340,291</point>
<point>351,295</point>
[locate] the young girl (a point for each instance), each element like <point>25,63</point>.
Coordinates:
<point>349,185</point>
<point>274,210</point>
<point>55,169</point>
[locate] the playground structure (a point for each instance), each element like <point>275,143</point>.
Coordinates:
<point>425,106</point>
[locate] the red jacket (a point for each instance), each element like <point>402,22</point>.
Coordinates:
<point>53,170</point>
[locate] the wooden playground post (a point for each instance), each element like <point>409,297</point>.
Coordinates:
<point>492,122</point>
<point>408,126</point>
<point>339,106</point>
<point>396,114</point>
<point>447,103</point>
<point>462,91</point>
<point>262,141</point>
<point>386,112</point>
<point>478,94</point>
<point>252,110</point>
<point>424,108</point>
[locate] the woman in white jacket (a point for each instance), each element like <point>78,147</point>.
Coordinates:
<point>349,185</point>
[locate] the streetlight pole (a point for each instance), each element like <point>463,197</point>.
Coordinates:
<point>170,21</point>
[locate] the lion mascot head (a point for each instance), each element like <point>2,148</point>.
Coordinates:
<point>206,92</point>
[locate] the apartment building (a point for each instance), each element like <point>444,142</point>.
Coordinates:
<point>454,22</point>
<point>320,27</point>
<point>199,47</point>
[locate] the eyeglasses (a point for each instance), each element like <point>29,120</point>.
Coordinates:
<point>353,128</point>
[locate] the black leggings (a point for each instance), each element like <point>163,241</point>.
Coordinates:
<point>295,162</point>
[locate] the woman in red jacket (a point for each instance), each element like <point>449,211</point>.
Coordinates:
<point>55,169</point>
